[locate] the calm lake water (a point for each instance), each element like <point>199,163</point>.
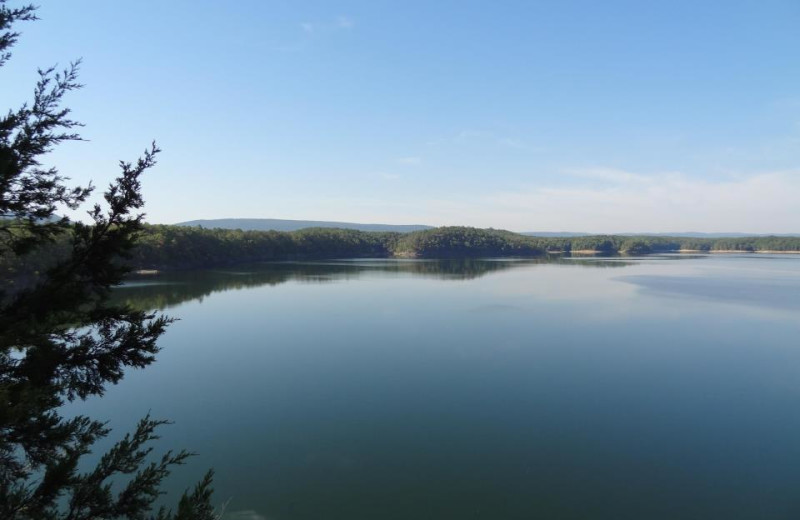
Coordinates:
<point>662,387</point>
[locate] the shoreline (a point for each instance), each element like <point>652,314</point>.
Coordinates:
<point>589,252</point>
<point>733,251</point>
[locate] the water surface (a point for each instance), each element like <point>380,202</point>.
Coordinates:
<point>624,388</point>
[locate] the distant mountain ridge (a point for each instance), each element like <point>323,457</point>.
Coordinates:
<point>276,224</point>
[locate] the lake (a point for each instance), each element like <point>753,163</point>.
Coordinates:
<point>659,387</point>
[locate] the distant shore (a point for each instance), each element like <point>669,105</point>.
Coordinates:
<point>592,252</point>
<point>167,248</point>
<point>732,251</point>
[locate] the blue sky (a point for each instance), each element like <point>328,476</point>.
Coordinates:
<point>615,116</point>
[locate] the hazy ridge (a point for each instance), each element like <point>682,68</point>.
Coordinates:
<point>277,224</point>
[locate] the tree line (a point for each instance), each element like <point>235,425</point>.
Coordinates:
<point>165,247</point>
<point>174,247</point>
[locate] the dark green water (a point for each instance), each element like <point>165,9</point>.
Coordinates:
<point>655,388</point>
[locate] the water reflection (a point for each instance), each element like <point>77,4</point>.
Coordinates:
<point>164,290</point>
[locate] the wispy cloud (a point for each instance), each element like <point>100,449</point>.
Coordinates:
<point>465,135</point>
<point>410,160</point>
<point>290,47</point>
<point>604,200</point>
<point>469,136</point>
<point>610,175</point>
<point>518,144</point>
<point>512,143</point>
<point>345,22</point>
<point>610,200</point>
<point>314,30</point>
<point>340,23</point>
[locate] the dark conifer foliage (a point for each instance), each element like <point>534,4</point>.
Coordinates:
<point>60,338</point>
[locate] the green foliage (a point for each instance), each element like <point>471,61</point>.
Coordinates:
<point>465,242</point>
<point>60,338</point>
<point>175,247</point>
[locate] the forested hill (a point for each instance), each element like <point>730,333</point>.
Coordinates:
<point>275,224</point>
